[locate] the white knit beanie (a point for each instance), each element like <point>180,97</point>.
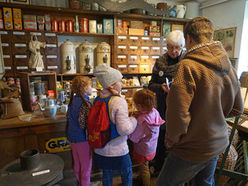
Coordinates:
<point>107,75</point>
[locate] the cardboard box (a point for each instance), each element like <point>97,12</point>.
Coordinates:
<point>108,26</point>
<point>30,22</point>
<point>17,14</point>
<point>136,31</point>
<point>136,24</point>
<point>7,13</point>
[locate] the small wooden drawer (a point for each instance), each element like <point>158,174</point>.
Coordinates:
<point>146,40</point>
<point>156,41</point>
<point>122,68</point>
<point>133,59</point>
<point>122,40</point>
<point>5,36</point>
<point>164,50</point>
<point>122,49</point>
<point>50,38</point>
<point>121,59</point>
<point>6,48</point>
<point>51,50</point>
<point>133,69</point>
<point>19,48</point>
<point>7,60</point>
<point>133,49</point>
<point>155,50</point>
<point>19,37</point>
<point>134,40</point>
<point>144,50</point>
<point>145,68</point>
<point>153,59</point>
<point>144,59</point>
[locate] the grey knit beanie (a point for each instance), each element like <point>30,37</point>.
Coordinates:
<point>107,75</point>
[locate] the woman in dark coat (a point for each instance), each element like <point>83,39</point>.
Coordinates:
<point>162,75</point>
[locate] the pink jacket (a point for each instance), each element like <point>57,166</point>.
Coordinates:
<point>125,125</point>
<point>145,136</point>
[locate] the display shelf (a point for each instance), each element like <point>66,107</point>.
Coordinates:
<point>83,34</point>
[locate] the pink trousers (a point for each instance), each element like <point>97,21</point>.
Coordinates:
<point>82,162</point>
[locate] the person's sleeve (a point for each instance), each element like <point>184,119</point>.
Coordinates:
<point>238,105</point>
<point>125,125</point>
<point>178,103</point>
<point>138,134</point>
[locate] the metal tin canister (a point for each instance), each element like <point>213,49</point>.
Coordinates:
<point>61,26</point>
<point>124,24</point>
<point>119,23</point>
<point>69,26</point>
<point>84,26</point>
<point>54,26</point>
<point>92,26</point>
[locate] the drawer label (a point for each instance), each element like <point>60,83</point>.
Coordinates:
<point>52,67</point>
<point>19,33</point>
<point>5,44</point>
<point>133,66</point>
<point>156,48</point>
<point>50,34</point>
<point>133,57</point>
<point>20,45</point>
<point>122,66</point>
<point>145,38</point>
<point>156,39</point>
<point>20,56</point>
<point>144,48</point>
<point>134,38</point>
<point>155,57</point>
<point>51,57</point>
<point>145,57</point>
<point>122,47</point>
<point>3,32</point>
<point>51,45</point>
<point>122,37</point>
<point>6,56</point>
<point>36,33</point>
<point>22,67</point>
<point>133,47</point>
<point>7,68</point>
<point>121,57</point>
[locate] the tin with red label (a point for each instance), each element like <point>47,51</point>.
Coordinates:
<point>69,26</point>
<point>54,26</point>
<point>84,25</point>
<point>61,26</point>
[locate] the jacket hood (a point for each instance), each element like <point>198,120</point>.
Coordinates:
<point>152,119</point>
<point>210,54</point>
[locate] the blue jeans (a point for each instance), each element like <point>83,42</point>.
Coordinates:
<point>126,177</point>
<point>176,171</point>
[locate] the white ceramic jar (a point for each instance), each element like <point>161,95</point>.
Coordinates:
<point>103,51</point>
<point>86,58</point>
<point>180,9</point>
<point>68,57</point>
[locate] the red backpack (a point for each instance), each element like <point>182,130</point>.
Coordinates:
<point>100,128</point>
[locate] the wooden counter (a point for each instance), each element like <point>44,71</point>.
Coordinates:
<point>17,136</point>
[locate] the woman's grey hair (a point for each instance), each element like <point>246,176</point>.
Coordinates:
<point>175,38</point>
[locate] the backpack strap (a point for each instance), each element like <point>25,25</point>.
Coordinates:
<point>107,100</point>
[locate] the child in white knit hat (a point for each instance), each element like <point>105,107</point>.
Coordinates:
<point>115,154</point>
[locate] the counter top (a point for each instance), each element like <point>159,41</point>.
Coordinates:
<point>37,119</point>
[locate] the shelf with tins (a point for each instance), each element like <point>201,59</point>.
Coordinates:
<point>142,66</point>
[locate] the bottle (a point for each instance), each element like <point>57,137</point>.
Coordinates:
<point>76,25</point>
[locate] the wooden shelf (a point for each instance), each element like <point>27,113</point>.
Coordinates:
<point>83,34</point>
<point>77,74</point>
